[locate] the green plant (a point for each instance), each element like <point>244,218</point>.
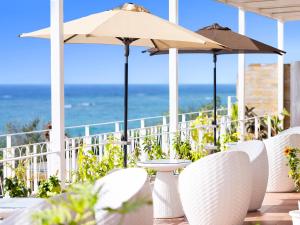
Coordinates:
<point>229,137</point>
<point>49,188</point>
<point>15,188</point>
<point>76,208</point>
<point>90,168</point>
<point>202,139</point>
<point>153,149</point>
<point>231,134</point>
<point>293,161</point>
<point>277,121</point>
<point>184,149</point>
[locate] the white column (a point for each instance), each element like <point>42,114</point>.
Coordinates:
<point>173,77</point>
<point>58,163</point>
<point>241,75</point>
<point>295,94</point>
<point>280,33</point>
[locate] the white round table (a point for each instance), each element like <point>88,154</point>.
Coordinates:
<point>166,200</point>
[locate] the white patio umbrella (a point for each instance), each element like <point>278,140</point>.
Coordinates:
<point>128,25</point>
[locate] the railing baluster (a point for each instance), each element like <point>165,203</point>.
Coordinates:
<point>229,106</point>
<point>223,126</point>
<point>8,153</point>
<point>142,134</point>
<point>256,127</point>
<point>88,140</point>
<point>28,167</point>
<point>35,172</point>
<point>73,156</point>
<point>183,127</point>
<point>101,147</point>
<point>165,136</point>
<point>68,169</point>
<point>269,126</point>
<point>117,133</point>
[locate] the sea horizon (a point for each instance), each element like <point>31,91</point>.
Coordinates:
<point>99,103</point>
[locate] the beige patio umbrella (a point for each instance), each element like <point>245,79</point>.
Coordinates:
<point>128,25</point>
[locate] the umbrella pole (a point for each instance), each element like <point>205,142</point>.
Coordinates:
<point>215,99</point>
<point>126,42</point>
<point>125,135</point>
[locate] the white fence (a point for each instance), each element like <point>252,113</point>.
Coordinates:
<point>34,155</point>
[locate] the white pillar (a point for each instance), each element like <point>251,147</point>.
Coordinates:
<point>173,77</point>
<point>241,75</point>
<point>295,94</point>
<point>280,33</point>
<point>58,163</point>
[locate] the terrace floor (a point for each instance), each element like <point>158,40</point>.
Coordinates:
<point>274,211</point>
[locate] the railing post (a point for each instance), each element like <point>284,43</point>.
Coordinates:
<point>143,133</point>
<point>101,146</point>
<point>51,162</point>
<point>229,106</point>
<point>256,127</point>
<point>269,126</point>
<point>165,140</point>
<point>88,139</point>
<point>35,172</point>
<point>183,130</point>
<point>68,160</point>
<point>8,153</point>
<point>28,168</point>
<point>73,155</point>
<point>117,134</point>
<point>223,126</point>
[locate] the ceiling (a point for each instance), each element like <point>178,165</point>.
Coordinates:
<point>285,10</point>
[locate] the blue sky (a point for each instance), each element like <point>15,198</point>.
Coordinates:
<point>27,61</point>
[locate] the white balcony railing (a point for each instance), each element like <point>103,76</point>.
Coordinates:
<point>35,156</point>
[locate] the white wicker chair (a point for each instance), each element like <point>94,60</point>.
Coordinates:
<point>216,190</point>
<point>257,153</point>
<point>278,168</point>
<point>23,216</point>
<point>121,186</point>
<point>291,130</point>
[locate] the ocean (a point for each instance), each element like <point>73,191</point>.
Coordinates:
<point>90,104</point>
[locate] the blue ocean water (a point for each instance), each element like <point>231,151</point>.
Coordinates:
<point>89,104</point>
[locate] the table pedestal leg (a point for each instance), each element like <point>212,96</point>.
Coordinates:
<point>166,201</point>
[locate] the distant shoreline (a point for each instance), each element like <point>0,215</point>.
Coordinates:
<point>115,84</point>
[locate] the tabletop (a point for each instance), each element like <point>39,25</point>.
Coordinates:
<point>164,164</point>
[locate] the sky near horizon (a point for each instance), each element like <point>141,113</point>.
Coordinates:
<point>27,61</point>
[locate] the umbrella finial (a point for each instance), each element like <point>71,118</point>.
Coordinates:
<point>215,26</point>
<point>133,7</point>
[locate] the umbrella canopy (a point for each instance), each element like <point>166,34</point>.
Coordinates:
<point>128,25</point>
<point>129,21</point>
<point>235,43</point>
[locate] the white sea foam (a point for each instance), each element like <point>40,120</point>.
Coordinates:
<point>86,104</point>
<point>6,96</point>
<point>69,106</point>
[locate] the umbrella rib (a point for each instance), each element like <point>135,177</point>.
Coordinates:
<point>127,40</point>
<point>69,38</point>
